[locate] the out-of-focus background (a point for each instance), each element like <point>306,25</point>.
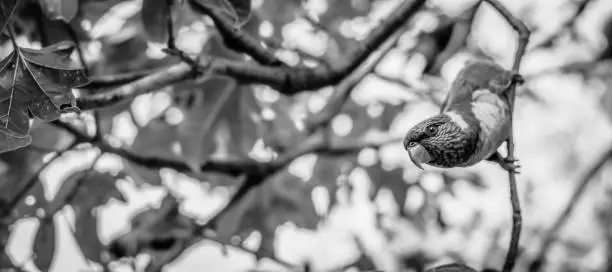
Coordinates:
<point>370,209</point>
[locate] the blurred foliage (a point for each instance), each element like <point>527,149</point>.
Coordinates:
<point>220,118</point>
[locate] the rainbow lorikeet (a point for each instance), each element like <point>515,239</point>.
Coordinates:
<point>473,122</point>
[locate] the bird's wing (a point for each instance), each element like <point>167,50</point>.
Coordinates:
<point>459,96</point>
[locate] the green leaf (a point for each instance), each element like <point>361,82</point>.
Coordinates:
<point>7,9</point>
<point>154,15</point>
<point>86,235</point>
<point>44,245</point>
<point>37,82</point>
<point>64,10</point>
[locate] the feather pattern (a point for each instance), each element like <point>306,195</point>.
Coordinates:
<point>474,119</point>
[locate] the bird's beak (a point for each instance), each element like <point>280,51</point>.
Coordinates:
<point>418,154</point>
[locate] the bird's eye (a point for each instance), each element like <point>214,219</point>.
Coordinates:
<point>412,144</point>
<point>432,130</point>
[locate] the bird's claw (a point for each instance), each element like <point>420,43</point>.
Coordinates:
<point>517,79</point>
<point>510,165</point>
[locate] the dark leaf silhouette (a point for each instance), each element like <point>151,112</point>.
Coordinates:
<point>64,10</point>
<point>153,140</point>
<point>85,190</point>
<point>281,199</point>
<point>37,82</point>
<point>222,121</point>
<point>238,11</point>
<point>154,14</point>
<point>7,9</point>
<point>22,164</point>
<point>86,235</point>
<point>44,245</point>
<point>281,131</point>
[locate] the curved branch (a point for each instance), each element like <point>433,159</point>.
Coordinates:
<point>287,80</point>
<point>523,36</point>
<point>551,235</point>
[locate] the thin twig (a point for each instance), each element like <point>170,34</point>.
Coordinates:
<point>583,183</point>
<point>29,184</point>
<point>569,25</point>
<point>99,136</point>
<point>235,39</point>
<point>523,39</point>
<point>9,17</point>
<point>73,191</point>
<point>115,80</point>
<point>460,32</point>
<point>343,91</point>
<point>287,80</point>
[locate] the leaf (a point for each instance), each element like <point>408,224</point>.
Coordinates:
<point>64,10</point>
<point>282,131</point>
<point>154,15</point>
<point>7,9</point>
<point>223,122</point>
<point>10,142</point>
<point>85,190</point>
<point>283,198</point>
<point>44,245</point>
<point>37,82</point>
<point>153,140</point>
<point>86,235</point>
<point>196,132</point>
<point>48,136</point>
<point>393,180</point>
<point>238,11</point>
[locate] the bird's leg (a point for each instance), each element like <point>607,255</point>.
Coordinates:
<point>515,78</point>
<point>507,164</point>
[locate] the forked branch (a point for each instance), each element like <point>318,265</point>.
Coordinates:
<point>523,39</point>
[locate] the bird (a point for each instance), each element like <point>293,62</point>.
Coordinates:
<point>474,120</point>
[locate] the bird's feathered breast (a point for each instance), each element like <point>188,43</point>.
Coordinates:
<point>491,113</point>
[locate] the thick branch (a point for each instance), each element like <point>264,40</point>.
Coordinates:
<point>343,91</point>
<point>523,35</point>
<point>551,235</point>
<point>287,80</point>
<point>227,167</point>
<point>235,39</point>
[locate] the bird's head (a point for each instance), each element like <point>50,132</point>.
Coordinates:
<point>439,141</point>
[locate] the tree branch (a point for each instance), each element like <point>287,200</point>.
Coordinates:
<point>235,39</point>
<point>288,80</point>
<point>523,39</point>
<point>29,184</point>
<point>343,91</point>
<point>551,235</point>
